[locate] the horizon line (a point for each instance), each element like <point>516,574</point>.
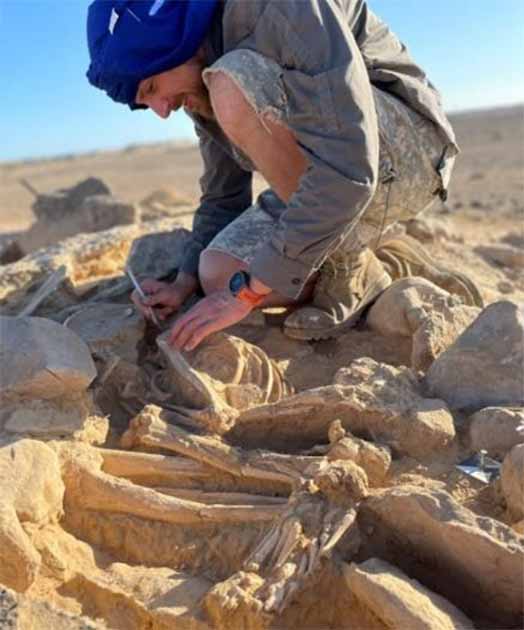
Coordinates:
<point>185,143</point>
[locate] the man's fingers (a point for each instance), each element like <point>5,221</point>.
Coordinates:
<point>179,336</point>
<point>198,335</point>
<point>184,328</point>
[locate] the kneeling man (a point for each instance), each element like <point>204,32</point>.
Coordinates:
<point>323,100</point>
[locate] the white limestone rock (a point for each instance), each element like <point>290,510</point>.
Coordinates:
<point>469,559</point>
<point>483,367</point>
<point>32,492</point>
<point>387,403</point>
<point>109,328</point>
<point>418,309</point>
<point>93,262</point>
<point>42,359</point>
<point>73,418</point>
<point>399,601</point>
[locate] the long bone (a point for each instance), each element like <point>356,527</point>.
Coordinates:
<point>223,498</point>
<point>148,429</point>
<point>133,464</point>
<point>303,418</point>
<point>89,488</point>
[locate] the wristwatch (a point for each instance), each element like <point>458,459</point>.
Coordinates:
<point>239,287</point>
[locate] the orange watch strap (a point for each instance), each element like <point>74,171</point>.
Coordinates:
<point>249,297</point>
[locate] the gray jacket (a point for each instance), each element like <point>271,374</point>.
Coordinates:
<point>330,51</point>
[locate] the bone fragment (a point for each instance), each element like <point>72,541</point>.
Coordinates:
<point>49,286</point>
<point>340,529</point>
<point>224,372</point>
<point>290,537</point>
<point>263,549</point>
<point>373,458</point>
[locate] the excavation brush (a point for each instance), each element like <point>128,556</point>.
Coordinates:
<point>142,295</point>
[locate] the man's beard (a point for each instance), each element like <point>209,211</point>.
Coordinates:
<point>202,105</point>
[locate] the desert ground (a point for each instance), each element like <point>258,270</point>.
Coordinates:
<point>259,481</point>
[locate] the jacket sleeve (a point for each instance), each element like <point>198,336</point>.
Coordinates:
<point>226,193</point>
<point>331,110</point>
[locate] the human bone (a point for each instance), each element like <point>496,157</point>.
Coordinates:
<point>149,429</point>
<point>223,376</point>
<point>87,487</point>
<point>375,460</point>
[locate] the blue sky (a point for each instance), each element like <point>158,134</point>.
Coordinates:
<point>473,50</point>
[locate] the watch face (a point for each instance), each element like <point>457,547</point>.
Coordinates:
<point>238,281</point>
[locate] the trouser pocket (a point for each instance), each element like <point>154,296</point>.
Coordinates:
<point>410,153</point>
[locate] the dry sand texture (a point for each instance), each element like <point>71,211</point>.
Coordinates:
<point>258,482</point>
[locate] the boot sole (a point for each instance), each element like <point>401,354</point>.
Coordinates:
<point>335,331</point>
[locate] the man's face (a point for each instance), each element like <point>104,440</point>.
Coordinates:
<point>180,87</point>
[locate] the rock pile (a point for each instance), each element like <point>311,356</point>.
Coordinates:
<point>147,488</point>
<point>85,207</point>
<point>93,268</point>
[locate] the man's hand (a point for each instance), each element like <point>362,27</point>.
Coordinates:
<point>169,296</point>
<point>215,312</point>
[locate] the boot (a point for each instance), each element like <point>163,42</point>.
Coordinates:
<point>348,283</point>
<point>403,256</point>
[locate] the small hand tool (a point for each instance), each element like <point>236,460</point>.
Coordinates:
<point>142,295</point>
<point>481,467</point>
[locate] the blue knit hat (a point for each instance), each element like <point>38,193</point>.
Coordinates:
<point>130,40</point>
